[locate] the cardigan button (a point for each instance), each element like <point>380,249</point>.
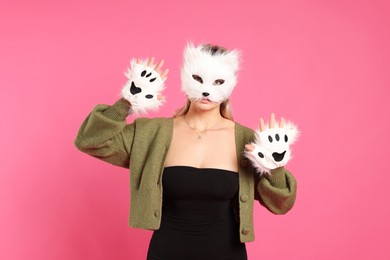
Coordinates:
<point>157,214</point>
<point>244,163</point>
<point>245,231</point>
<point>244,198</point>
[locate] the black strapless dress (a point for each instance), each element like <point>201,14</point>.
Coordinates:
<point>197,216</point>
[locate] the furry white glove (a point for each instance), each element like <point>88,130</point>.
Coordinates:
<point>272,147</point>
<point>143,88</point>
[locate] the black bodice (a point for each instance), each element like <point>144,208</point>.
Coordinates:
<point>197,216</point>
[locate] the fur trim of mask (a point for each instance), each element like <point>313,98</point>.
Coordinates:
<point>209,68</point>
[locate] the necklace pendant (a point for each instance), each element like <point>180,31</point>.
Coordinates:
<point>199,137</point>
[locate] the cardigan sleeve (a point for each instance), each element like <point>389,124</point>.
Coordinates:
<point>104,134</point>
<point>276,191</point>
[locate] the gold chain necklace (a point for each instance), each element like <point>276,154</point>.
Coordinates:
<point>196,132</point>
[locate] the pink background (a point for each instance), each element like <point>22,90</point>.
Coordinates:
<point>322,64</point>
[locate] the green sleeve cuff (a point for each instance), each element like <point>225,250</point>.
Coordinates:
<point>277,178</point>
<point>119,110</point>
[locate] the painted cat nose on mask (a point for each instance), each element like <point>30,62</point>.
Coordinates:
<point>210,74</point>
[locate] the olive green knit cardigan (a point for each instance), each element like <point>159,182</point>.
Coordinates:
<point>142,147</point>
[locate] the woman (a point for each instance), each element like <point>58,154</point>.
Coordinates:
<point>205,209</point>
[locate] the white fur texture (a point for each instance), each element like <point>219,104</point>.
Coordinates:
<point>145,92</point>
<point>269,144</point>
<point>210,68</point>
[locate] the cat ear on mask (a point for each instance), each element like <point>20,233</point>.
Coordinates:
<point>232,58</point>
<point>190,51</point>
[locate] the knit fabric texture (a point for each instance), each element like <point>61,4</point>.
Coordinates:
<point>142,146</point>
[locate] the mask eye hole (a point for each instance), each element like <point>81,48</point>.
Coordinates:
<point>219,82</point>
<point>197,78</point>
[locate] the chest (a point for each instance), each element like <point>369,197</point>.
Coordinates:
<point>183,183</point>
<point>214,149</point>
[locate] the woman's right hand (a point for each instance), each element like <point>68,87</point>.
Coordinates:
<point>157,67</point>
<point>145,84</point>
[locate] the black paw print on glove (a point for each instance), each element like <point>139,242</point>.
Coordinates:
<point>278,157</point>
<point>277,138</point>
<point>135,90</point>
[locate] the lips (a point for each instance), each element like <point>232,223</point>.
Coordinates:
<point>205,100</point>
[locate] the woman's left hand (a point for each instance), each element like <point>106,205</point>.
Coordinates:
<point>272,123</point>
<point>271,148</point>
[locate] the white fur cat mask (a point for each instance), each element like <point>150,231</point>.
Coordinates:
<point>209,75</point>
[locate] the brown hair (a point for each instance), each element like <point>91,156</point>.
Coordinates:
<point>213,49</point>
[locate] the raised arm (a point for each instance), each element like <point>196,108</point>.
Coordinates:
<point>104,134</point>
<point>275,187</point>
